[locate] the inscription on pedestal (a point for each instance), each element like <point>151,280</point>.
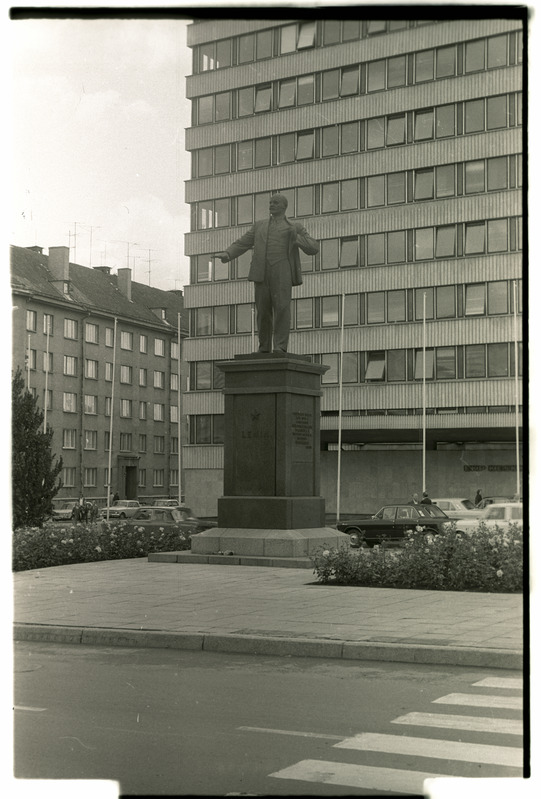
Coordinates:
<point>302,427</point>
<point>255,445</point>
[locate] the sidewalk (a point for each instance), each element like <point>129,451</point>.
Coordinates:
<point>263,610</point>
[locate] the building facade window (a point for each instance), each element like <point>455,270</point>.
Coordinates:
<point>31,321</point>
<point>70,365</point>
<point>90,439</point>
<point>90,404</point>
<point>125,374</point>
<point>158,478</point>
<point>159,445</point>
<point>126,340</point>
<point>90,477</point>
<point>48,324</point>
<point>91,369</point>
<point>68,476</point>
<point>69,438</point>
<point>159,379</point>
<point>91,333</point>
<point>69,402</point>
<point>70,328</point>
<point>125,442</point>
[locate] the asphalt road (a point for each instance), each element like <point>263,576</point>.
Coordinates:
<point>180,723</point>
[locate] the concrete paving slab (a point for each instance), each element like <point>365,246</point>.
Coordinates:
<point>265,610</point>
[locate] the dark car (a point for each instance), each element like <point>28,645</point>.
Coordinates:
<point>392,522</point>
<point>154,517</point>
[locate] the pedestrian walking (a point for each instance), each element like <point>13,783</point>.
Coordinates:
<point>478,498</point>
<point>93,512</point>
<point>275,268</point>
<point>116,496</point>
<point>426,499</point>
<point>83,510</point>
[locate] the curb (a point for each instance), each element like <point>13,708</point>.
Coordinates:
<point>229,560</point>
<point>266,645</point>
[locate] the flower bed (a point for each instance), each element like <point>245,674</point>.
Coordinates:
<point>490,559</point>
<point>57,544</point>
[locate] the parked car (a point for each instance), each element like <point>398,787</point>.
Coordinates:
<point>65,511</point>
<point>153,517</point>
<point>457,508</point>
<point>499,514</point>
<point>122,509</point>
<point>392,522</point>
<point>166,503</point>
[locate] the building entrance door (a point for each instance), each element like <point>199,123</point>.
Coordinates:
<point>131,482</point>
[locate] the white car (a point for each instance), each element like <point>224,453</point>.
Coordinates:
<point>456,508</point>
<point>122,509</point>
<point>499,514</point>
<point>65,511</point>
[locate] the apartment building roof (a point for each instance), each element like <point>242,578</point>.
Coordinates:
<point>94,289</point>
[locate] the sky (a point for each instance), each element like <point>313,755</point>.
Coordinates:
<point>98,119</point>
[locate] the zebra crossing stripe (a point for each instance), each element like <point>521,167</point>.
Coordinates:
<point>500,682</point>
<point>352,776</point>
<point>429,747</point>
<point>479,700</point>
<point>452,722</point>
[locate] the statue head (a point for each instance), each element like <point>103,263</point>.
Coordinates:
<point>278,204</point>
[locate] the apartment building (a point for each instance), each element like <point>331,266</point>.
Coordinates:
<point>399,146</point>
<point>96,348</point>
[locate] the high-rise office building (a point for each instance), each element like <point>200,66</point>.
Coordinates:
<point>398,145</point>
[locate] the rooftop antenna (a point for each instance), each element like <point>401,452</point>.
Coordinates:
<point>92,228</point>
<point>89,227</point>
<point>149,261</point>
<point>133,243</point>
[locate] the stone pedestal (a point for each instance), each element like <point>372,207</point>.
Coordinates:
<point>271,503</point>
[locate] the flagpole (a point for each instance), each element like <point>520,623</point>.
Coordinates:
<point>179,420</point>
<point>46,378</point>
<point>424,390</point>
<point>517,443</point>
<point>28,364</point>
<point>253,329</point>
<point>341,372</point>
<point>111,423</point>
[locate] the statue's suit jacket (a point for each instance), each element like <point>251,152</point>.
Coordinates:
<point>256,237</point>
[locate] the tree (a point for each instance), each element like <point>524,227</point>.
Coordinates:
<point>34,471</point>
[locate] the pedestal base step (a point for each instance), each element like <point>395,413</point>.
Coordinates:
<point>230,560</point>
<point>268,543</point>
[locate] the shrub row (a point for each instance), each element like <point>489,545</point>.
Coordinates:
<point>57,545</point>
<point>490,559</point>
